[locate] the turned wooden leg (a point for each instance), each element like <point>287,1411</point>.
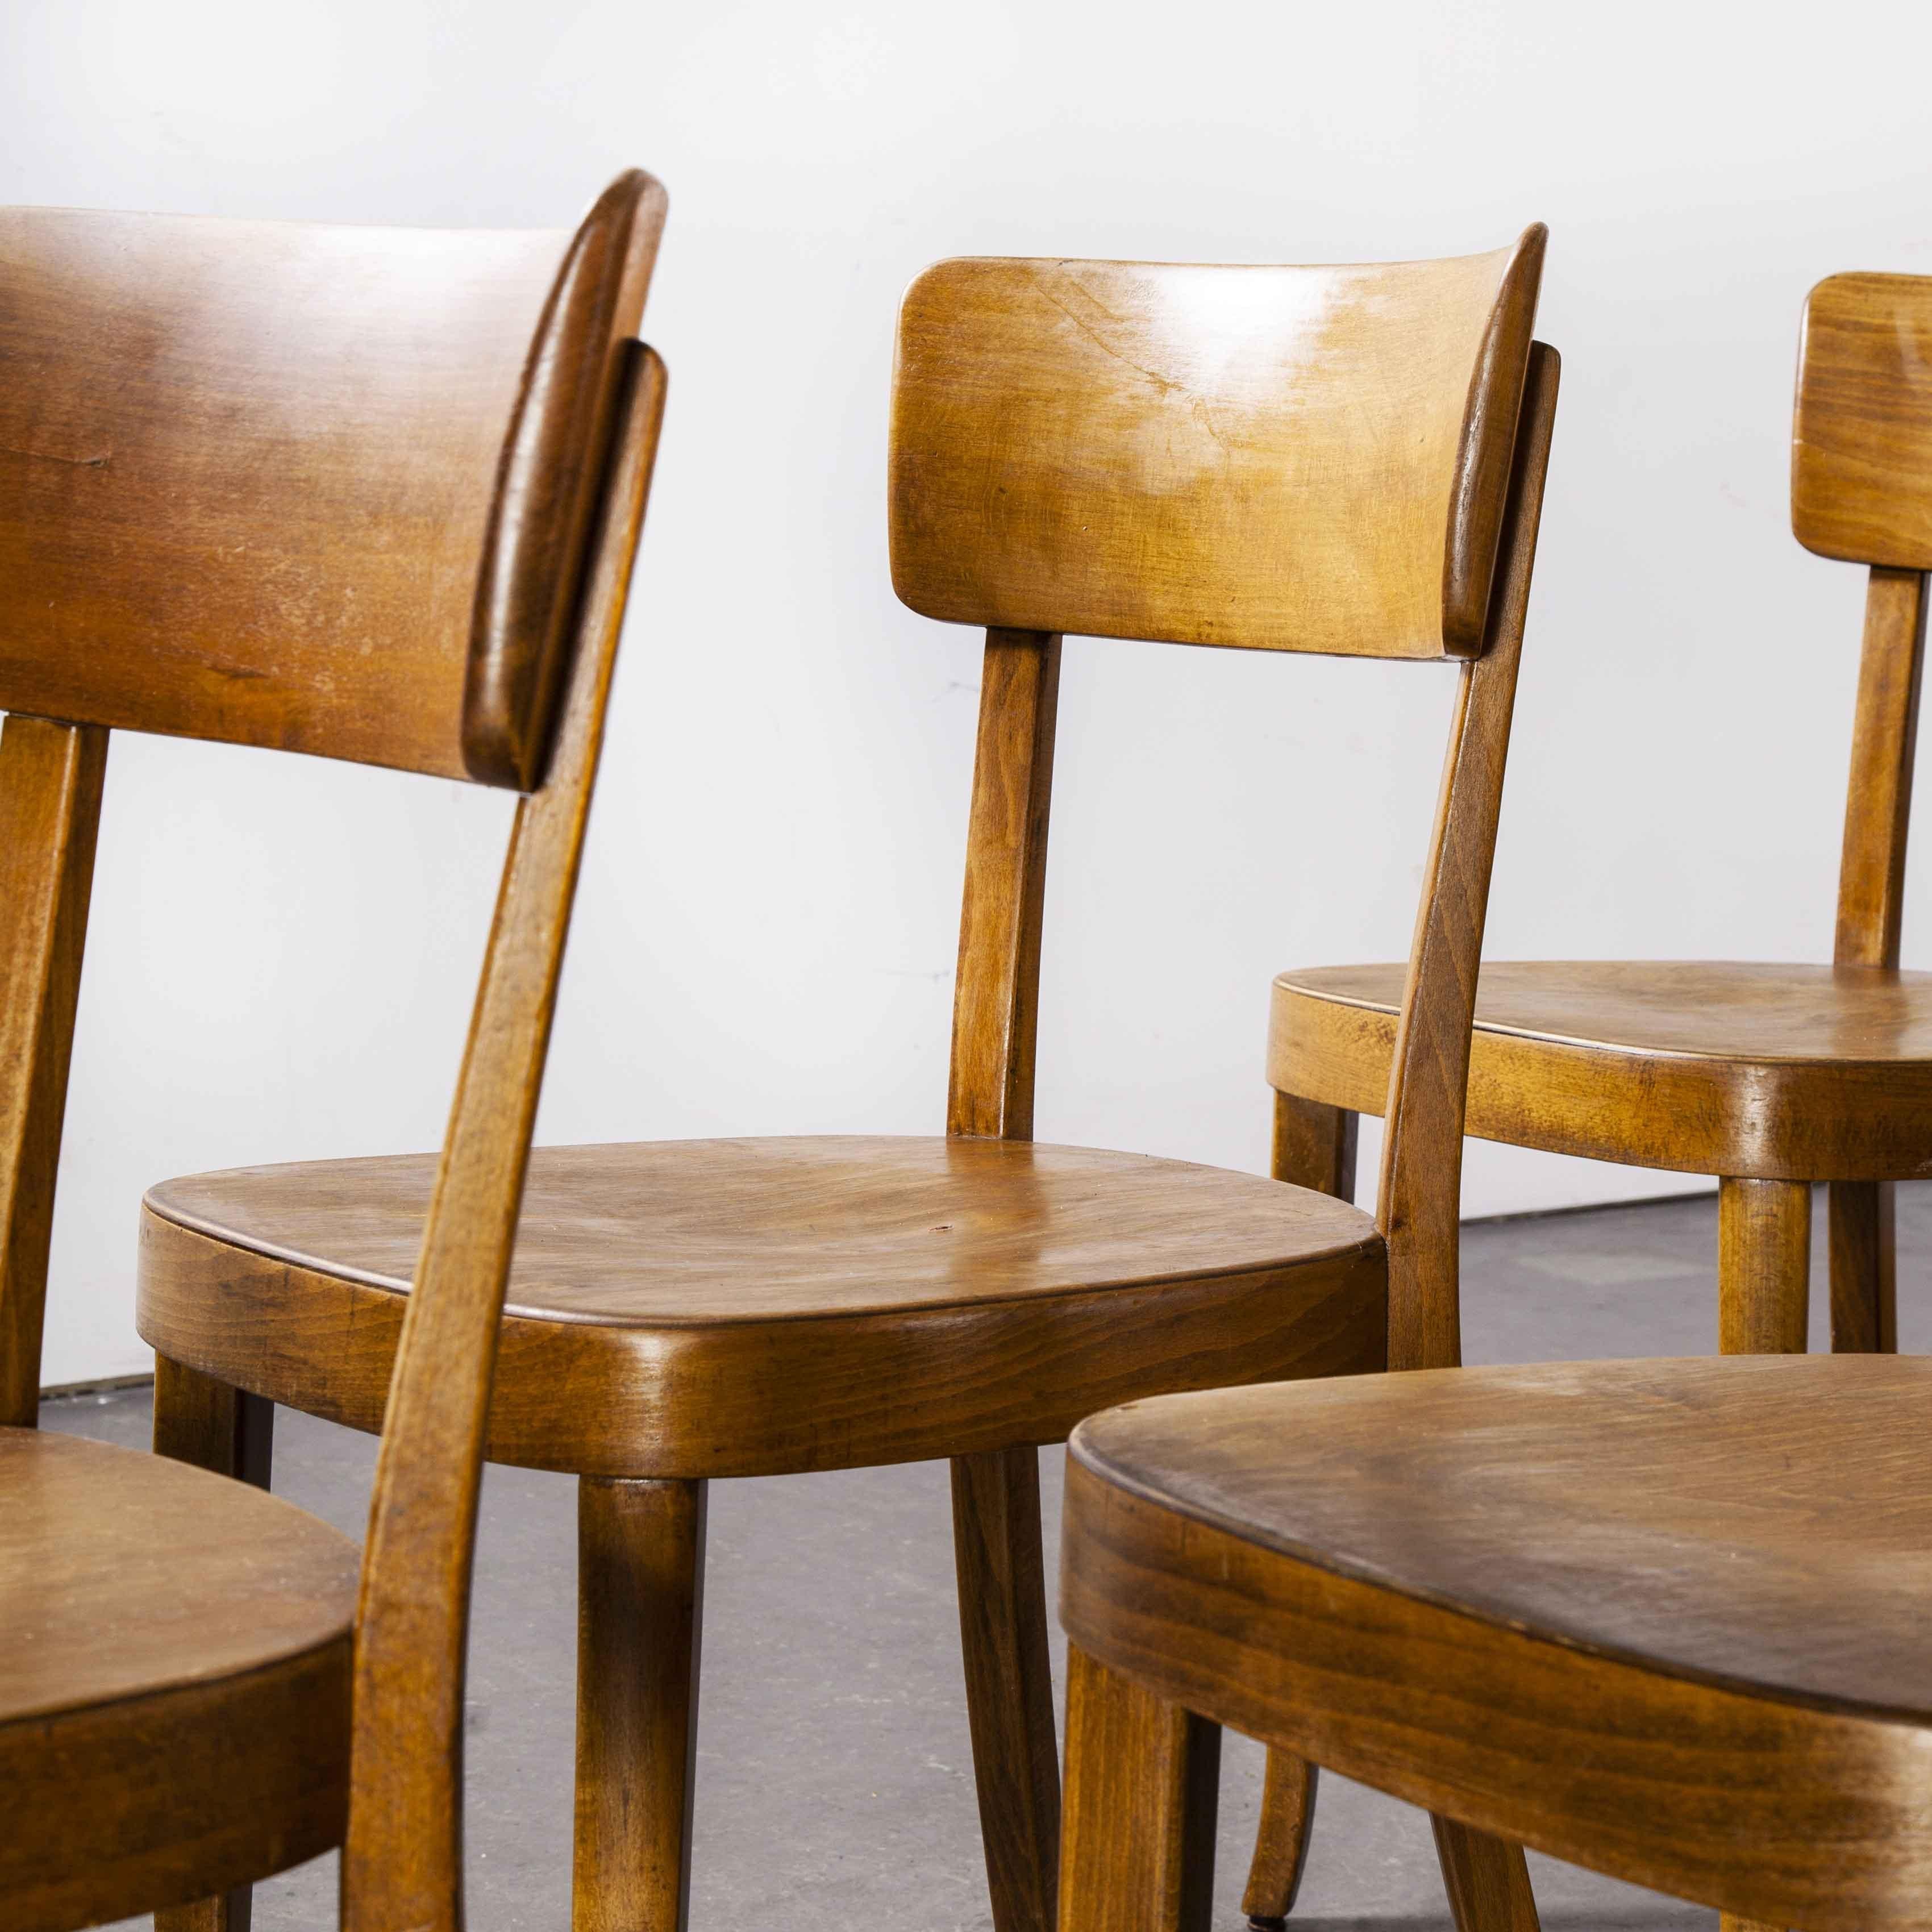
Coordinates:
<point>200,1420</point>
<point>639,1612</point>
<point>1143,1779</point>
<point>1487,1881</point>
<point>1314,1147</point>
<point>1864,1299</point>
<point>996,1545</point>
<point>1764,1266</point>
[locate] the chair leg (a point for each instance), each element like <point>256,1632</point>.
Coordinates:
<point>1764,1266</point>
<point>1864,1304</point>
<point>996,1545</point>
<point>203,1421</point>
<point>1143,1781</point>
<point>640,1615</point>
<point>1314,1147</point>
<point>1281,1844</point>
<point>1487,1880</point>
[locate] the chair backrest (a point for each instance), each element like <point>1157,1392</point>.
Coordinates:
<point>1347,460</point>
<point>1861,491</point>
<point>375,495</point>
<point>1288,459</point>
<point>295,485</point>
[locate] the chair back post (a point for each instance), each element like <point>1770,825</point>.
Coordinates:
<point>1862,492</point>
<point>1418,1198</point>
<point>1878,801</point>
<point>996,991</point>
<point>402,1866</point>
<point>50,781</point>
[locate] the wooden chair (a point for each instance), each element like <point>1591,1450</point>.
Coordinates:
<point>1286,459</point>
<point>1772,1077</point>
<point>372,494</point>
<point>1531,1600</point>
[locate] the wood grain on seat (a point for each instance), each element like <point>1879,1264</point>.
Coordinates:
<point>714,1307</point>
<point>1663,1618</point>
<point>1765,1071</point>
<point>151,1672</point>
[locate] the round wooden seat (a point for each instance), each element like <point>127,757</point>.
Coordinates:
<point>1666,1618</point>
<point>709,1308</point>
<point>174,1681</point>
<point>1778,1072</point>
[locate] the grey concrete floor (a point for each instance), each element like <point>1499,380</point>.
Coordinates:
<point>835,1786</point>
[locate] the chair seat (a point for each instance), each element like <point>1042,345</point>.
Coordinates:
<point>1768,1072</point>
<point>174,1681</point>
<point>1647,1602</point>
<point>741,1307</point>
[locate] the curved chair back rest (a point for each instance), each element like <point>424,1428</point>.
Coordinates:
<point>317,488</point>
<point>1281,458</point>
<point>1861,492</point>
<point>1347,460</point>
<point>1862,438</point>
<point>376,496</point>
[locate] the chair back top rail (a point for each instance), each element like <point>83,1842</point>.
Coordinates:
<point>1311,459</point>
<point>319,488</point>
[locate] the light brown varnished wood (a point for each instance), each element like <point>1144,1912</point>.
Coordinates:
<point>1289,1791</point>
<point>1862,439</point>
<point>996,998</point>
<point>50,782</point>
<point>679,1312</point>
<point>402,1860</point>
<point>640,1620</point>
<point>1761,1073</point>
<point>1878,800</point>
<point>1764,1266</point>
<point>913,1297</point>
<point>1528,1598</point>
<point>1285,459</point>
<point>174,1690</point>
<point>1143,1788</point>
<point>1862,1245</point>
<point>1009,1681</point>
<point>1418,1198</point>
<point>1771,1072</point>
<point>996,1535</point>
<point>1313,1146</point>
<point>1871,897</point>
<point>198,1688</point>
<point>382,565</point>
<point>200,1421</point>
<point>1487,1881</point>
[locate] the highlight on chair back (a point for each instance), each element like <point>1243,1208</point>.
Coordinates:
<point>1772,1077</point>
<point>372,494</point>
<point>1338,459</point>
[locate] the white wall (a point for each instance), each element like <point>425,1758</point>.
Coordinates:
<point>282,952</point>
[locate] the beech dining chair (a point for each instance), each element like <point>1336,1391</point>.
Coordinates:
<point>372,494</point>
<point>1341,460</point>
<point>1529,1600</point>
<point>1772,1077</point>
